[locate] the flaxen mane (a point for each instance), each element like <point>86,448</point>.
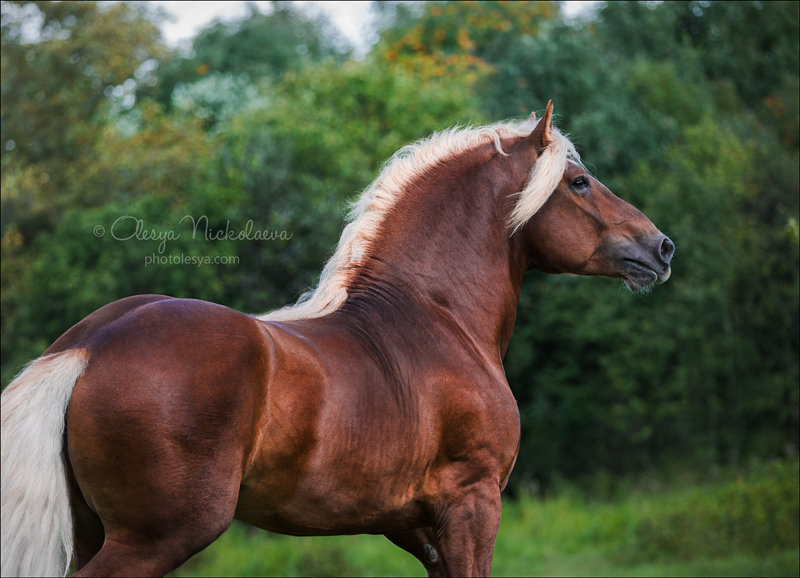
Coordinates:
<point>376,202</point>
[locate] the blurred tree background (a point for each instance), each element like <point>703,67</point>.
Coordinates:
<point>689,110</point>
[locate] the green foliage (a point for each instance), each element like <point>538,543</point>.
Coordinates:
<point>758,516</point>
<point>740,522</point>
<point>83,52</point>
<point>217,98</point>
<point>55,93</point>
<point>262,45</point>
<point>460,38</point>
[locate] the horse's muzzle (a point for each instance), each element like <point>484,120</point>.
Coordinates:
<point>647,262</point>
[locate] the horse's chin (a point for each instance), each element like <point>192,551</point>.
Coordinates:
<point>640,277</point>
<point>634,286</point>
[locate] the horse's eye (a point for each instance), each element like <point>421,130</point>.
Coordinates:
<point>580,184</point>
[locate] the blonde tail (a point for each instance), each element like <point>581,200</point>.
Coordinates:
<point>36,519</point>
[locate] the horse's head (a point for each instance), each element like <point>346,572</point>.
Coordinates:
<point>583,228</point>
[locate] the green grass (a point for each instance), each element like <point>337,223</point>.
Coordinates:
<point>741,524</point>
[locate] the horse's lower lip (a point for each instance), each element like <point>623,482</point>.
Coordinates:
<point>639,275</point>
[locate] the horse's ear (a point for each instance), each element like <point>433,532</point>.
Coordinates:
<point>542,135</point>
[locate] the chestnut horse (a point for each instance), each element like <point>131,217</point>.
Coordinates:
<point>377,404</point>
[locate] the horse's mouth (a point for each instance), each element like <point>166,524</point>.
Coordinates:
<point>638,275</point>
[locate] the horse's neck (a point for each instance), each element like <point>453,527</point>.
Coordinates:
<point>451,255</point>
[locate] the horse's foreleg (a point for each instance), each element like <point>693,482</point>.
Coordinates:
<point>422,545</point>
<point>465,529</point>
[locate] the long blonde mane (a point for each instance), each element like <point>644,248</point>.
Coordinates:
<point>374,205</point>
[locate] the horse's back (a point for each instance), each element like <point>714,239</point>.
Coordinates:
<point>77,335</point>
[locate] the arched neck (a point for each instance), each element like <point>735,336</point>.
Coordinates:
<point>447,257</point>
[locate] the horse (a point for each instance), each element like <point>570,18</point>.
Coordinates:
<point>376,404</point>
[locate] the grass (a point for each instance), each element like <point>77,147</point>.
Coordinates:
<point>741,524</point>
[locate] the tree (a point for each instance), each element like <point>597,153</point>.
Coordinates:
<point>57,90</point>
<point>460,38</point>
<point>257,47</point>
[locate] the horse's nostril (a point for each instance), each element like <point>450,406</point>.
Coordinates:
<point>667,250</point>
